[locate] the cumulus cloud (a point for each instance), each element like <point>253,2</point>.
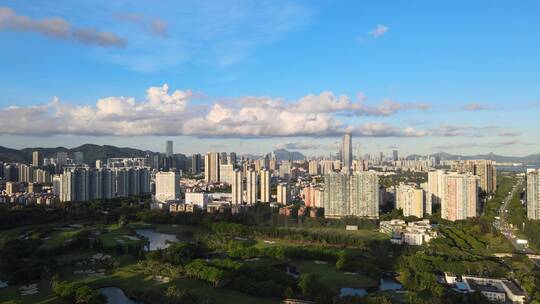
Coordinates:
<point>163,112</point>
<point>327,102</point>
<point>378,31</point>
<point>57,28</point>
<point>154,26</point>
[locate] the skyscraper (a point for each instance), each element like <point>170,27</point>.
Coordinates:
<point>395,155</point>
<point>36,159</point>
<point>226,173</point>
<point>251,185</point>
<point>237,187</point>
<point>265,185</point>
<point>485,169</point>
<point>346,150</point>
<point>169,148</point>
<point>314,168</point>
<point>336,195</point>
<point>211,167</point>
<point>533,194</point>
<point>195,163</point>
<point>167,186</point>
<point>78,157</point>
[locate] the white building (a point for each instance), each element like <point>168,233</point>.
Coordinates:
<point>252,187</point>
<point>199,199</point>
<point>265,185</point>
<point>167,186</point>
<point>237,188</point>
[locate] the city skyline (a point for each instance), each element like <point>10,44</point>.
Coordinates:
<point>139,77</point>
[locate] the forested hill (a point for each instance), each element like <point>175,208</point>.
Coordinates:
<point>91,152</point>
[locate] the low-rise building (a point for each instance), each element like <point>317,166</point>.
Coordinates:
<point>412,233</point>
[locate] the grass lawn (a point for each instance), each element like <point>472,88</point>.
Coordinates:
<point>120,236</point>
<point>58,238</point>
<point>128,277</point>
<point>333,277</point>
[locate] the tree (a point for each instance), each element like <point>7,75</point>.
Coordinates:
<point>309,284</point>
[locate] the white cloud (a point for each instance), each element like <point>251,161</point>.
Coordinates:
<point>378,31</point>
<point>57,28</point>
<point>163,112</point>
<point>473,106</point>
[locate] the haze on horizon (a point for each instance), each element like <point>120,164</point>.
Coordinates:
<point>253,76</point>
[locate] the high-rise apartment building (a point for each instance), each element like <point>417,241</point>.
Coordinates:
<point>411,200</point>
<point>78,157</point>
<point>314,168</point>
<point>533,194</point>
<point>211,167</point>
<point>169,148</point>
<point>237,187</point>
<point>459,196</point>
<point>36,159</point>
<point>252,182</point>
<point>283,193</point>
<point>61,158</point>
<point>223,158</point>
<point>226,173</point>
<point>485,169</point>
<point>364,194</point>
<point>232,158</point>
<point>285,169</point>
<point>264,179</point>
<point>346,150</point>
<point>434,187</point>
<point>167,186</point>
<point>351,195</point>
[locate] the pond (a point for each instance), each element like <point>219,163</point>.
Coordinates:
<point>385,284</point>
<point>157,240</point>
<point>116,295</point>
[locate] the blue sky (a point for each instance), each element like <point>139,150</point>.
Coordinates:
<point>422,76</point>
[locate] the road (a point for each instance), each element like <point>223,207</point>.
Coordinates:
<point>502,225</point>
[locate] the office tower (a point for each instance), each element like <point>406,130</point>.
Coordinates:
<point>485,169</point>
<point>169,148</point>
<point>167,186</point>
<point>395,155</point>
<point>226,173</point>
<point>232,158</point>
<point>36,159</point>
<point>346,150</point>
<point>78,157</point>
<point>61,158</point>
<point>336,195</point>
<point>364,194</point>
<point>251,186</point>
<point>98,163</point>
<point>265,185</point>
<point>211,167</point>
<point>459,196</point>
<point>314,167</point>
<point>237,187</point>
<point>285,169</point>
<point>195,163</point>
<point>411,200</point>
<point>223,158</point>
<point>533,194</point>
<point>283,193</point>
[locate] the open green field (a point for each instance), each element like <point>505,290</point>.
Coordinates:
<point>58,238</point>
<point>333,277</point>
<point>122,236</point>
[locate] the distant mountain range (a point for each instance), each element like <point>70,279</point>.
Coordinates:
<point>533,158</point>
<point>90,153</point>
<point>93,152</point>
